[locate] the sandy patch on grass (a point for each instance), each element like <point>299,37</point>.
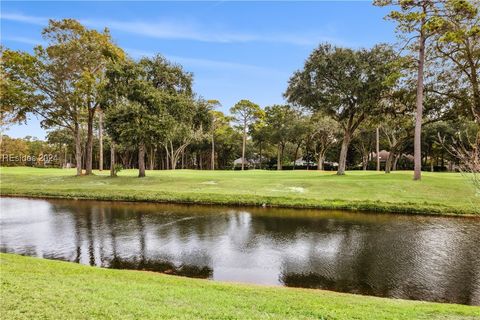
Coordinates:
<point>209,182</point>
<point>291,189</point>
<point>297,189</point>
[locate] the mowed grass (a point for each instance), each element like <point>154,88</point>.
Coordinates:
<point>33,288</point>
<point>436,193</point>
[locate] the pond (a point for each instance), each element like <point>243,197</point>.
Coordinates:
<point>411,257</point>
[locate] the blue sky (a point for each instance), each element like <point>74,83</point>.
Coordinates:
<point>236,50</point>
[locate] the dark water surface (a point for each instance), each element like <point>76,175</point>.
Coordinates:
<point>411,257</point>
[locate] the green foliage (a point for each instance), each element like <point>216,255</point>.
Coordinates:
<point>323,133</point>
<point>117,168</point>
<point>151,103</point>
<point>344,84</point>
<point>59,80</point>
<point>452,29</point>
<point>415,16</point>
<point>245,112</point>
<point>226,140</point>
<point>457,43</point>
<point>30,152</point>
<point>145,101</point>
<point>167,76</point>
<point>16,95</point>
<point>61,83</point>
<point>132,123</point>
<point>280,123</point>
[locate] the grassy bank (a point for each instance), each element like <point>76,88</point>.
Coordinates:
<point>437,193</point>
<point>35,288</point>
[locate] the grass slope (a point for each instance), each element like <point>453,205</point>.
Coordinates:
<point>445,193</point>
<point>33,288</point>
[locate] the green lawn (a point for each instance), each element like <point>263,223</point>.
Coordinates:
<point>33,288</point>
<point>446,193</point>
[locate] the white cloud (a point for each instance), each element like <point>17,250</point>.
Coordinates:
<point>208,63</point>
<point>183,30</point>
<point>23,40</point>
<point>170,30</point>
<point>18,17</point>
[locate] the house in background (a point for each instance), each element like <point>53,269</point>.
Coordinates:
<point>383,156</point>
<point>404,160</point>
<point>238,162</point>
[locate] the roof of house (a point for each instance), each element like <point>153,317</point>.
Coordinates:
<point>239,161</point>
<point>383,155</point>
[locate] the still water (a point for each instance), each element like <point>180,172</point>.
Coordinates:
<point>411,257</point>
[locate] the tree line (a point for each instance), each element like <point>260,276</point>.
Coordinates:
<point>419,100</point>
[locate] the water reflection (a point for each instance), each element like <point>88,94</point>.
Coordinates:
<point>426,258</point>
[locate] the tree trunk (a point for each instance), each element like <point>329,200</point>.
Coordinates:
<point>395,162</point>
<point>100,140</point>
<point>295,157</point>
<point>475,105</point>
<point>78,149</point>
<point>167,159</point>
<point>378,148</point>
<point>173,164</point>
<point>389,162</point>
<point>320,161</point>
<point>212,166</point>
<point>112,160</point>
<point>89,148</point>
<point>307,154</point>
<point>152,152</point>
<point>65,157</point>
<point>279,157</point>
<point>141,160</point>
<point>183,159</point>
<point>260,162</point>
<point>244,144</point>
<point>417,148</point>
<point>342,163</point>
<point>83,160</point>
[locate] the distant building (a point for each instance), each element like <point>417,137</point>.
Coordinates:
<point>330,163</point>
<point>300,162</point>
<point>383,155</point>
<point>238,162</point>
<point>248,163</point>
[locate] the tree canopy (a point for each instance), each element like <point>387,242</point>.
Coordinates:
<point>346,85</point>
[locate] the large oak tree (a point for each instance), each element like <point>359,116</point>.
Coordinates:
<point>135,109</point>
<point>347,85</point>
<point>149,103</point>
